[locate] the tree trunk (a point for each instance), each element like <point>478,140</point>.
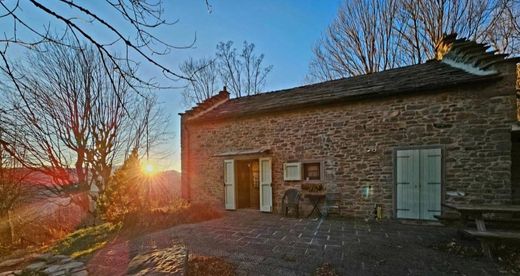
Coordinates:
<point>5,229</point>
<point>11,226</point>
<point>80,172</point>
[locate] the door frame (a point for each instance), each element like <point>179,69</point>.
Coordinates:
<point>253,157</point>
<point>260,184</point>
<point>394,173</point>
<point>232,205</point>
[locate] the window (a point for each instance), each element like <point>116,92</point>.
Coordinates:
<point>292,171</point>
<point>312,171</point>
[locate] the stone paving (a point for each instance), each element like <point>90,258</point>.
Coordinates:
<point>152,254</point>
<point>45,264</point>
<point>267,244</point>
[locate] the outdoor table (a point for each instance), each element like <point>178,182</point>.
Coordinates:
<point>477,212</point>
<point>315,199</point>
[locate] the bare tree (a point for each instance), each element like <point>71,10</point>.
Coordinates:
<point>426,22</point>
<point>12,192</point>
<point>373,35</point>
<point>204,82</point>
<point>53,106</point>
<point>361,40</point>
<point>132,26</point>
<point>72,113</point>
<point>242,73</point>
<point>504,32</point>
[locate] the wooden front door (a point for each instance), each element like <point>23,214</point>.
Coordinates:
<point>247,184</point>
<point>243,184</point>
<point>418,183</point>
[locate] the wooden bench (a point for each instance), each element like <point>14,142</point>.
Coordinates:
<point>455,220</point>
<point>493,235</point>
<point>488,238</point>
<point>447,219</point>
<point>478,214</point>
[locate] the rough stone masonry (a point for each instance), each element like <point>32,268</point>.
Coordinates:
<point>355,141</point>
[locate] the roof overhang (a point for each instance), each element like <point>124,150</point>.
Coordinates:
<point>244,152</point>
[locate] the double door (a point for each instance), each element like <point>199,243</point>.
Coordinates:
<point>265,181</point>
<point>418,183</point>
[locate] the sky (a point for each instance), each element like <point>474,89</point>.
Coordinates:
<point>284,31</point>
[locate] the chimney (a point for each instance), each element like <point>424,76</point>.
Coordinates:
<point>208,104</point>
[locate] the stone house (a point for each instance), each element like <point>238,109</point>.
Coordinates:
<point>408,139</point>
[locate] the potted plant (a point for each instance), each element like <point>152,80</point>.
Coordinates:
<point>313,188</point>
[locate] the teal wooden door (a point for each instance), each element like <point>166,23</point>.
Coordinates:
<point>418,183</point>
<point>407,182</point>
<point>430,184</point>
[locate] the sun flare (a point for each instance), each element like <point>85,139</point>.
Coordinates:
<point>149,169</point>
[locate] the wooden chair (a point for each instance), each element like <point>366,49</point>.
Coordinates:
<point>332,204</point>
<point>291,200</point>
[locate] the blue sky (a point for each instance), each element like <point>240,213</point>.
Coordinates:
<point>284,31</point>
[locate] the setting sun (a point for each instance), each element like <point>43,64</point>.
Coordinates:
<point>149,169</point>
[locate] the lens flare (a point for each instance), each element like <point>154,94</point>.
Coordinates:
<point>149,169</point>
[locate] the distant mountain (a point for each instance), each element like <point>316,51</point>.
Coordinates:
<point>36,177</point>
<point>165,186</point>
<point>171,179</point>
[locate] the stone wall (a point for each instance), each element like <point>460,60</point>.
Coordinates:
<point>515,168</point>
<point>356,140</point>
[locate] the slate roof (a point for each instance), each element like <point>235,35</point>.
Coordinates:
<point>429,76</point>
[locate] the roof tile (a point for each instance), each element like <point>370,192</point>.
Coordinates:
<point>432,75</point>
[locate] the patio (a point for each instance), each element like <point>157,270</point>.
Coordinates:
<point>267,244</point>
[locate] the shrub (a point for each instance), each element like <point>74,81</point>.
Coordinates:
<point>177,212</point>
<point>121,196</point>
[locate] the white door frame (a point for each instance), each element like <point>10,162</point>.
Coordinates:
<point>264,183</point>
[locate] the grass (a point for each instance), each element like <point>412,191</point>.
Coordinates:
<point>86,241</point>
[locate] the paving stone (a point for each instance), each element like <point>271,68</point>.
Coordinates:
<point>53,268</point>
<point>35,266</point>
<point>365,248</point>
<point>72,265</point>
<point>52,265</point>
<point>171,261</point>
<point>58,273</point>
<point>42,257</point>
<point>83,272</point>
<point>12,262</point>
<point>65,260</point>
<point>266,244</point>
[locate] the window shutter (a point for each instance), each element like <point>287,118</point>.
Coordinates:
<point>292,171</point>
